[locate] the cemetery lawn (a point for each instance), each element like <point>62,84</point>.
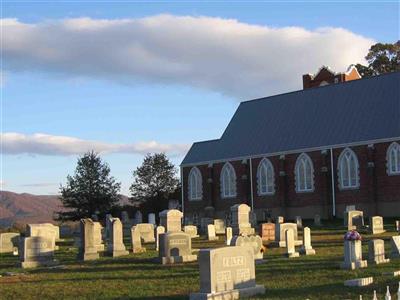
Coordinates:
<point>137,276</point>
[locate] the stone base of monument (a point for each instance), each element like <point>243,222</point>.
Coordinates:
<point>88,256</point>
<point>307,251</point>
<point>359,281</point>
<point>229,295</point>
<point>292,255</point>
<point>176,259</point>
<point>117,253</point>
<point>380,261</point>
<point>139,250</point>
<point>354,265</point>
<point>38,263</point>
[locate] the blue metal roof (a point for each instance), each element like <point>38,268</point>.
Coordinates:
<point>350,112</point>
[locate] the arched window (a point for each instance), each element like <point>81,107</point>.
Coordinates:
<point>348,170</point>
<point>228,181</point>
<point>265,178</point>
<point>393,159</point>
<point>304,173</point>
<point>195,184</point>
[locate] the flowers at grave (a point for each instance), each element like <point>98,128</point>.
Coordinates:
<point>352,236</point>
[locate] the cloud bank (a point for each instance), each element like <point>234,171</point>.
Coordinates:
<point>223,55</point>
<point>45,144</point>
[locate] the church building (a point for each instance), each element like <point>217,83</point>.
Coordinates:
<point>314,151</point>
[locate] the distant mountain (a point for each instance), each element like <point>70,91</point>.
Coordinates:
<point>27,208</point>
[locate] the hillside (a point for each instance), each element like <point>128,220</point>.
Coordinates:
<point>27,208</point>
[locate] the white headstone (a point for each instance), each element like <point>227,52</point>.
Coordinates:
<point>98,237</point>
<point>290,247</point>
<point>146,232</point>
<point>43,229</point>
<point>280,229</point>
<point>353,255</point>
<point>175,247</point>
<point>280,220</point>
<point>191,230</point>
<point>354,219</point>
<point>116,246</point>
<point>376,225</point>
<point>136,241</point>
<point>87,247</point>
<point>240,221</point>
<point>376,252</point>
<point>359,281</point>
<point>37,251</point>
<point>307,248</point>
<point>219,225</point>
<point>228,235</point>
<point>211,233</point>
<point>227,273</point>
<point>159,230</point>
<point>253,241</point>
<point>171,219</point>
<point>9,241</point>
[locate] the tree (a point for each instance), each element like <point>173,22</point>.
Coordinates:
<point>91,190</point>
<point>382,58</point>
<point>154,183</point>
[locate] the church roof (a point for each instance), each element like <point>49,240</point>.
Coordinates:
<point>358,111</point>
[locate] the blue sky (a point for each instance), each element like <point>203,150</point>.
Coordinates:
<point>151,79</point>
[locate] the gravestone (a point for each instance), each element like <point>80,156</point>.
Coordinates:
<point>280,220</point>
<point>136,241</point>
<point>175,247</point>
<point>159,230</point>
<point>108,222</point>
<point>376,225</point>
<point>299,222</point>
<point>219,225</point>
<point>290,247</point>
<point>280,229</point>
<point>138,218</point>
<point>37,251</point>
<point>354,219</point>
<point>240,221</point>
<point>376,252</point>
<point>307,249</point>
<point>43,229</point>
<point>267,232</point>
<point>146,232</point>
<point>353,255</point>
<point>94,217</point>
<point>253,219</point>
<point>171,220</point>
<point>317,220</point>
<point>253,241</point>
<point>395,245</point>
<point>151,218</point>
<point>116,246</point>
<point>9,242</point>
<point>228,235</point>
<point>211,233</point>
<point>397,226</point>
<point>98,237</point>
<point>227,273</point>
<point>191,230</point>
<point>204,223</point>
<point>359,281</point>
<point>350,208</point>
<point>88,248</point>
<point>126,224</point>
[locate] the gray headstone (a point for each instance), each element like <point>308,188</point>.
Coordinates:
<point>37,251</point>
<point>306,248</point>
<point>353,255</point>
<point>9,241</point>
<point>116,246</point>
<point>175,247</point>
<point>376,251</point>
<point>88,249</point>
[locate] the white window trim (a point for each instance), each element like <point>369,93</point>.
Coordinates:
<point>388,161</point>
<point>196,172</point>
<point>299,159</point>
<point>267,162</point>
<point>222,185</point>
<point>340,179</point>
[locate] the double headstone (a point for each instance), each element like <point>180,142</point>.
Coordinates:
<point>280,229</point>
<point>376,225</point>
<point>175,247</point>
<point>227,273</point>
<point>116,246</point>
<point>306,248</point>
<point>353,219</point>
<point>211,236</point>
<point>88,249</point>
<point>253,241</point>
<point>9,242</point>
<point>146,232</point>
<point>376,252</point>
<point>240,221</point>
<point>171,220</point>
<point>136,241</point>
<point>395,244</point>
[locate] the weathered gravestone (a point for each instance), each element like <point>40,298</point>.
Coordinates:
<point>138,218</point>
<point>219,225</point>
<point>376,252</point>
<point>159,230</point>
<point>37,251</point>
<point>108,222</point>
<point>289,241</point>
<point>353,255</point>
<point>299,222</point>
<point>43,229</point>
<point>280,229</point>
<point>116,246</point>
<point>227,273</point>
<point>88,248</point>
<point>267,232</point>
<point>175,247</point>
<point>306,248</point>
<point>376,225</point>
<point>191,230</point>
<point>280,220</point>
<point>354,219</point>
<point>397,226</point>
<point>395,244</point>
<point>253,241</point>
<point>98,237</point>
<point>126,223</point>
<point>136,241</point>
<point>211,233</point>
<point>146,232</point>
<point>317,220</point>
<point>240,221</point>
<point>228,235</point>
<point>171,220</point>
<point>151,218</point>
<point>9,242</point>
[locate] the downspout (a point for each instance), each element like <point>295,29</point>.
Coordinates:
<point>333,186</point>
<point>182,192</point>
<point>251,185</point>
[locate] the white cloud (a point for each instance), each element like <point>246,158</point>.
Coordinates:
<point>223,55</point>
<point>45,144</point>
<point>2,184</point>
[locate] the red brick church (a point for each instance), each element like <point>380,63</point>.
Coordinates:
<point>308,152</point>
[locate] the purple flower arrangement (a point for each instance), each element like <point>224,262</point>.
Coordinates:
<point>352,236</point>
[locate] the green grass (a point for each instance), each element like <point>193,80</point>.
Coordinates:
<point>137,276</point>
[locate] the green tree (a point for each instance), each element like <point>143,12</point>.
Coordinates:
<point>381,58</point>
<point>91,190</point>
<point>154,183</point>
